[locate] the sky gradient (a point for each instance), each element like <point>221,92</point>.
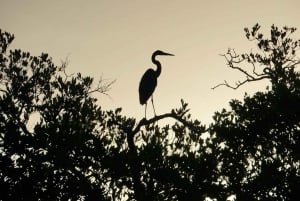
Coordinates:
<point>115,40</point>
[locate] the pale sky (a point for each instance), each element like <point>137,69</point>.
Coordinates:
<point>115,39</point>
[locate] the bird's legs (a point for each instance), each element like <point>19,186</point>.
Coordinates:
<point>153,105</point>
<point>145,109</point>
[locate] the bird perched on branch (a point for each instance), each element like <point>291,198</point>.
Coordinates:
<point>149,80</point>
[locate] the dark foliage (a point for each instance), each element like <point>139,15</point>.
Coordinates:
<point>57,144</point>
<point>260,135</point>
<point>60,158</point>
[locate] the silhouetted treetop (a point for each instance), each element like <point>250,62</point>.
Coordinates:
<point>56,143</point>
<point>50,147</point>
<point>275,60</point>
<point>261,133</point>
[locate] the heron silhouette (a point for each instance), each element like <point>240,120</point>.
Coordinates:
<point>149,80</point>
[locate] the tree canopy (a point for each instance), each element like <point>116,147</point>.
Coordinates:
<point>57,143</point>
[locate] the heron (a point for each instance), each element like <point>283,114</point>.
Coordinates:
<point>149,80</point>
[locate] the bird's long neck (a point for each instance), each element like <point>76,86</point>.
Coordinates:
<point>158,65</point>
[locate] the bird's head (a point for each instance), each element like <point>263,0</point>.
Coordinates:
<point>159,52</point>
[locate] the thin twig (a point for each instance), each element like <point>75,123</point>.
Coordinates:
<point>233,59</point>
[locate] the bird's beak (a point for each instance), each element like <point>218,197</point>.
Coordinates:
<point>168,54</point>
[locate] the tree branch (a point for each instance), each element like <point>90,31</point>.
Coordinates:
<point>173,115</point>
<point>102,86</point>
<point>233,60</point>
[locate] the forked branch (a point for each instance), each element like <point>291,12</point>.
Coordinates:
<point>234,60</point>
<point>173,115</point>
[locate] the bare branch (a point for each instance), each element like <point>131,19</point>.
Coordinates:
<point>233,61</point>
<point>103,86</point>
<point>173,115</point>
<point>240,83</point>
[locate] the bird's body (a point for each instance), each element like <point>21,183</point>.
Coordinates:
<point>147,85</point>
<point>149,80</point>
